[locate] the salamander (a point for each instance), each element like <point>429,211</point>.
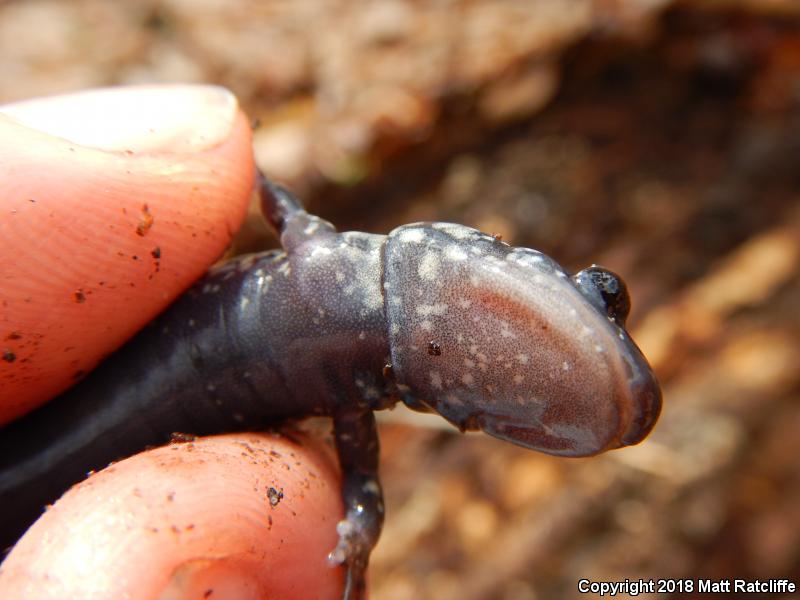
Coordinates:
<point>438,316</point>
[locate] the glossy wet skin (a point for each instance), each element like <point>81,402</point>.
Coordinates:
<point>503,340</point>
<point>491,337</point>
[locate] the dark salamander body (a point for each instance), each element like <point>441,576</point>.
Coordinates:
<point>489,336</point>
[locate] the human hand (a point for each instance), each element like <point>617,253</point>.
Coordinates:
<point>90,186</point>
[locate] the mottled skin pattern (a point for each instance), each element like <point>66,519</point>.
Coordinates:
<point>521,353</point>
<point>440,316</point>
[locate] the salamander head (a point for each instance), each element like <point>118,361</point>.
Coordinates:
<point>503,340</point>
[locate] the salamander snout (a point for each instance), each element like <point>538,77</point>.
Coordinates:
<point>503,340</point>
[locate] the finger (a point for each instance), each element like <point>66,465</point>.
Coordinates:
<point>190,520</point>
<point>111,203</point>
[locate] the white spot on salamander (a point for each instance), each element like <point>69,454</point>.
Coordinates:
<point>470,364</point>
<point>371,487</point>
<point>320,250</point>
<point>429,266</point>
<point>458,232</point>
<point>426,325</point>
<point>505,330</point>
<point>455,253</point>
<point>425,310</point>
<point>263,280</point>
<point>244,302</point>
<point>518,379</point>
<point>453,400</point>
<point>413,236</point>
<point>565,366</point>
<point>285,269</point>
<point>464,303</point>
<point>436,380</point>
<point>467,379</point>
<point>523,358</point>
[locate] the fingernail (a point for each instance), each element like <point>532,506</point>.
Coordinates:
<point>141,119</point>
<point>213,578</point>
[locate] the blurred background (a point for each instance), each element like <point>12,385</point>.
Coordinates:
<point>658,138</point>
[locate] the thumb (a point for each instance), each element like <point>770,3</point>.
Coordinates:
<point>111,203</point>
<point>248,515</point>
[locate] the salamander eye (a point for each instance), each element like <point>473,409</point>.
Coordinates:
<point>606,291</point>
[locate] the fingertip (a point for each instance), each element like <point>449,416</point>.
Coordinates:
<point>253,514</point>
<point>99,236</point>
<point>145,119</point>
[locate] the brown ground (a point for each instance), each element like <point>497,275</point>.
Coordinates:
<point>653,137</point>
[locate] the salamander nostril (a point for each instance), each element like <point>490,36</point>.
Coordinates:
<point>606,290</point>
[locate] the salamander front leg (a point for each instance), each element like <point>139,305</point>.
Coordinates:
<point>357,446</point>
<point>277,203</point>
<point>287,216</point>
